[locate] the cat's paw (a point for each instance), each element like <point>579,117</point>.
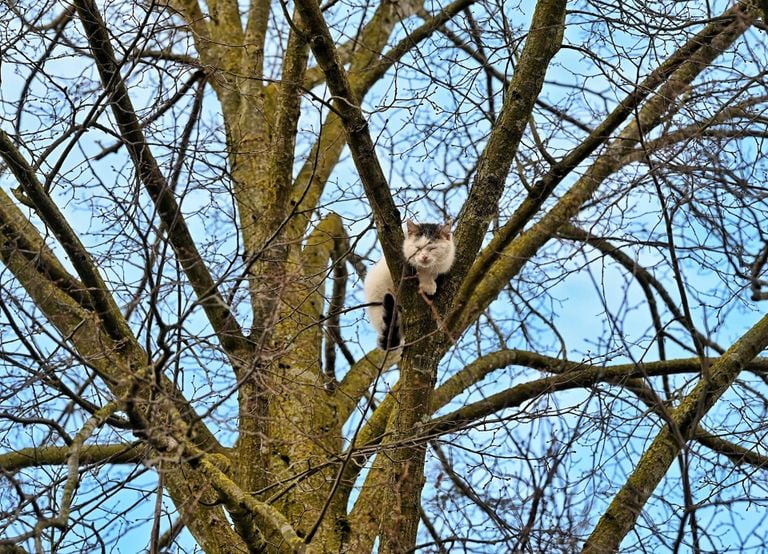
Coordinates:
<point>428,288</point>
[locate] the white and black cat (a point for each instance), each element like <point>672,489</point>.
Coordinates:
<point>428,248</point>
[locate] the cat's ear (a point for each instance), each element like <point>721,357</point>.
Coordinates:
<point>445,230</point>
<point>412,228</point>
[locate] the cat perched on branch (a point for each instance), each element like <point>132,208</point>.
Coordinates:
<point>429,249</point>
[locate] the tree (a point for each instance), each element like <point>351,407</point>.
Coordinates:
<point>183,237</point>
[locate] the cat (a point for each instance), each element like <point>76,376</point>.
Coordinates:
<point>429,249</point>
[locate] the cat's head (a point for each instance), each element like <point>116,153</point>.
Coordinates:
<point>429,245</point>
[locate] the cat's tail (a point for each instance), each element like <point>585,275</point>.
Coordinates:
<point>390,337</point>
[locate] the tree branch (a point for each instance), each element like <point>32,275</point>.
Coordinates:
<point>327,150</point>
<point>94,287</point>
<point>623,511</point>
<point>543,42</point>
<point>243,507</point>
<point>571,232</point>
<point>504,257</point>
<point>358,137</point>
<point>74,455</point>
<point>132,453</point>
<point>218,312</point>
<point>359,378</point>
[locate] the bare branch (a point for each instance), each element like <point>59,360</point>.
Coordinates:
<point>218,312</point>
<point>358,137</point>
<point>680,70</point>
<point>58,455</point>
<point>95,289</point>
<point>627,504</point>
<point>543,42</point>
